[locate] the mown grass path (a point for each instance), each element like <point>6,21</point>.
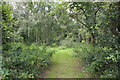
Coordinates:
<point>65,65</point>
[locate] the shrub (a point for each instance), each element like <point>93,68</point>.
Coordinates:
<point>101,61</point>
<point>22,61</point>
<point>68,43</point>
<point>54,45</point>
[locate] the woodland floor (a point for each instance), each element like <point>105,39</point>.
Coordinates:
<point>65,65</point>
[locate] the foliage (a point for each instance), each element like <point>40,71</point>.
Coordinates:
<point>101,61</point>
<point>102,55</point>
<point>22,61</point>
<point>92,28</point>
<point>7,22</point>
<point>68,43</point>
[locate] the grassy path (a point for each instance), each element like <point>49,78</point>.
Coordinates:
<point>65,65</point>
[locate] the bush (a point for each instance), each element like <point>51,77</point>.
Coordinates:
<point>68,43</point>
<point>54,45</point>
<point>101,61</point>
<point>22,61</point>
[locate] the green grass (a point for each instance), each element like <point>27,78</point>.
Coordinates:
<point>65,65</point>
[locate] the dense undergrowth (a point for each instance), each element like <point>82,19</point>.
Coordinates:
<point>100,61</point>
<point>23,61</point>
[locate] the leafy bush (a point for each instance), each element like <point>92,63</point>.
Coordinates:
<point>22,61</point>
<point>68,43</point>
<point>102,61</point>
<point>54,45</point>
